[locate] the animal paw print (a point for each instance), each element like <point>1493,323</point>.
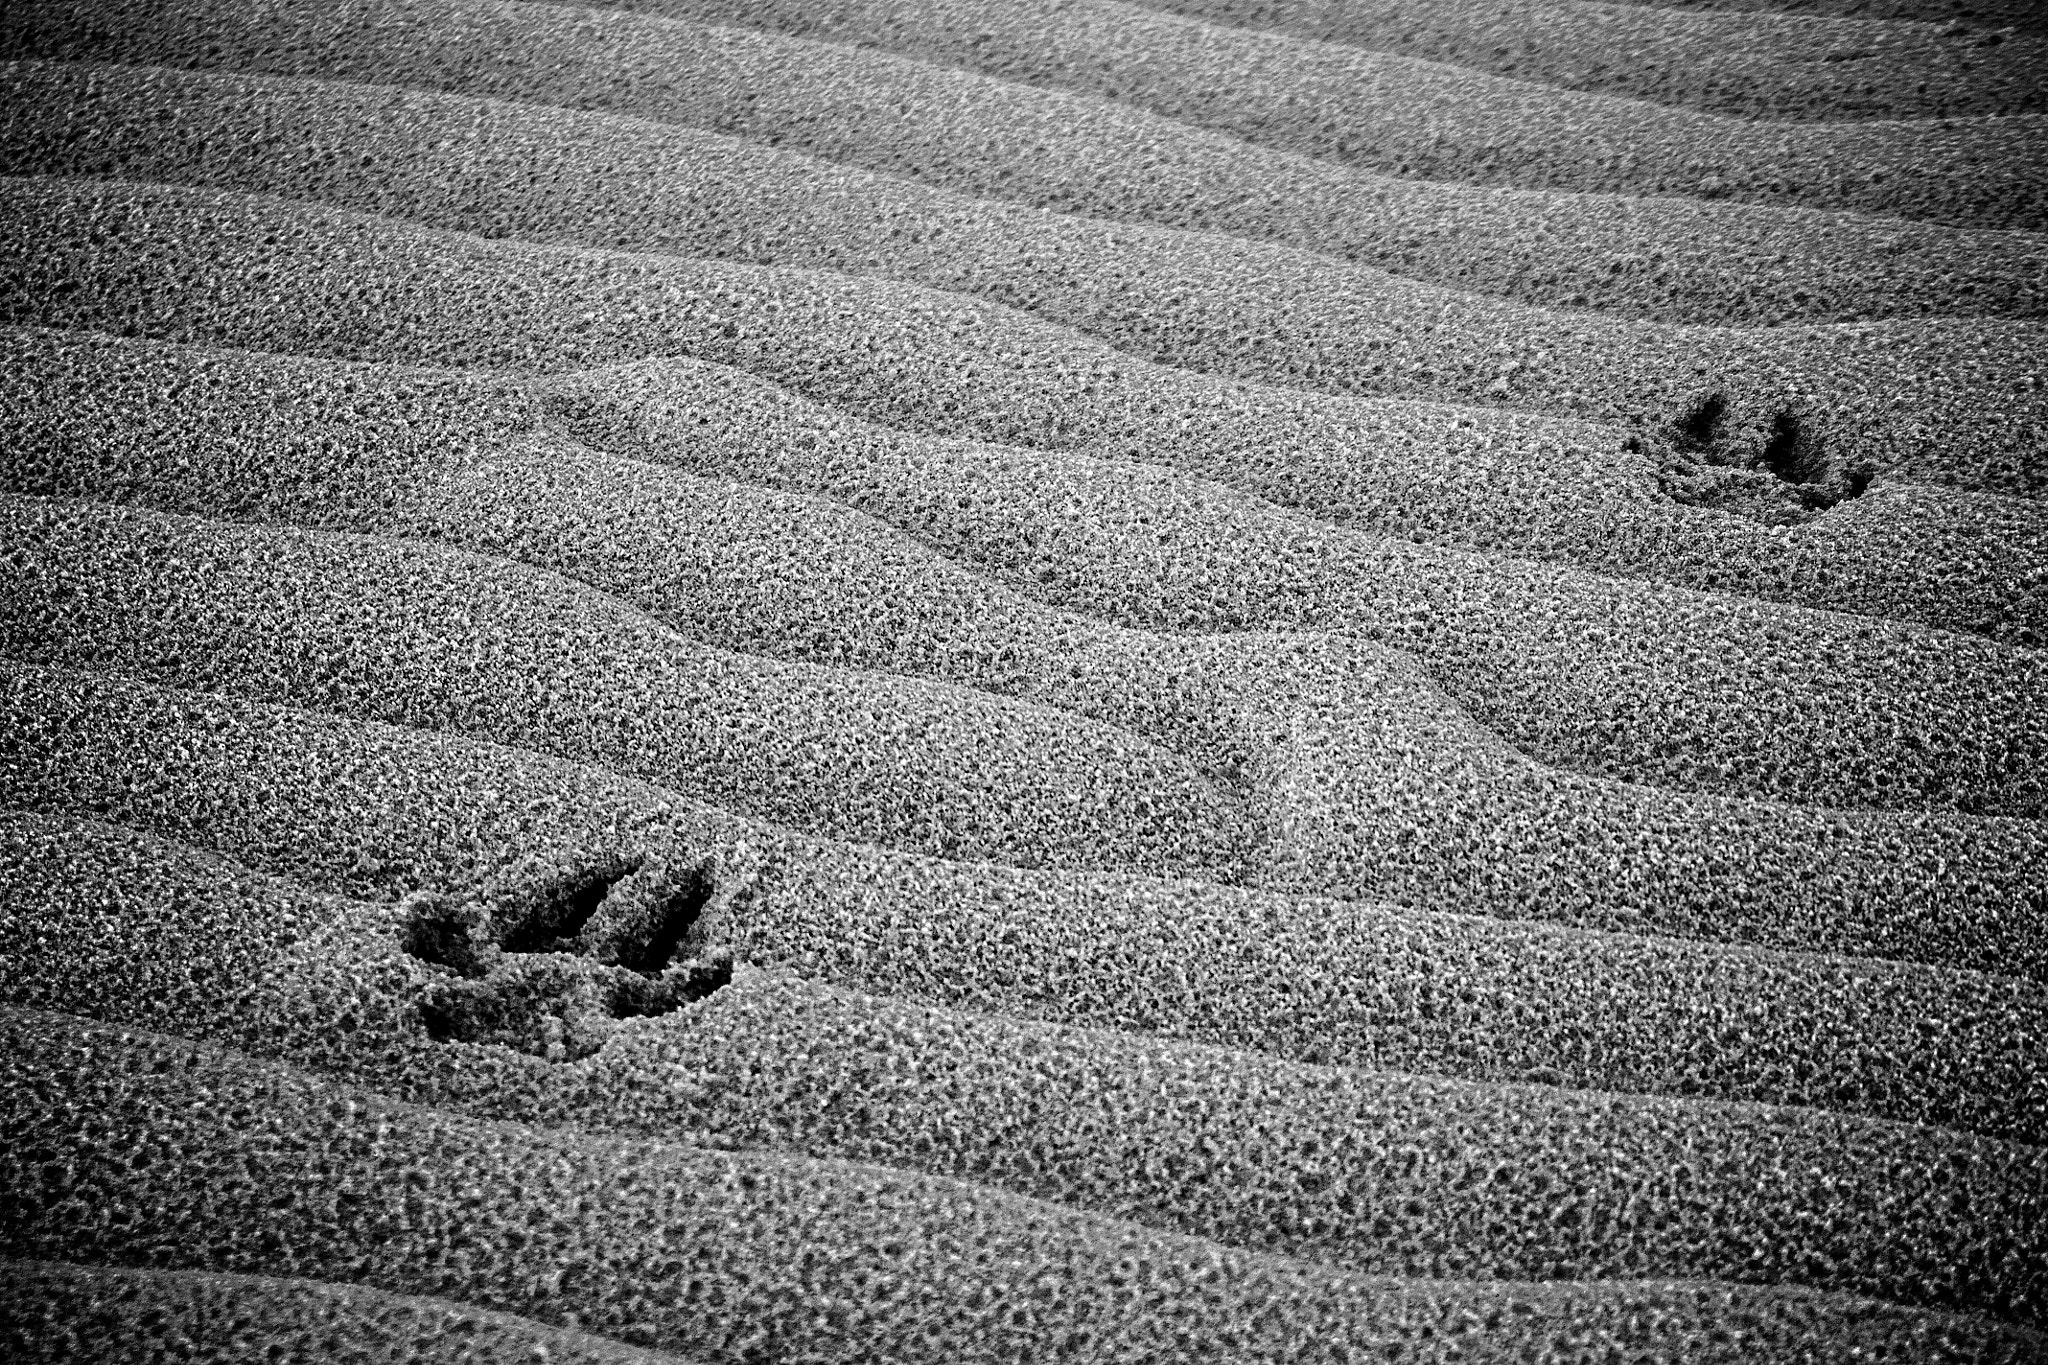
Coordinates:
<point>550,968</point>
<point>1770,464</point>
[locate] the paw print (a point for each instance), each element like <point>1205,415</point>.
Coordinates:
<point>549,969</point>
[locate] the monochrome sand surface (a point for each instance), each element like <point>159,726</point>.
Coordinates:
<point>922,681</point>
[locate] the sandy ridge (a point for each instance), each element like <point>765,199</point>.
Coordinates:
<point>995,137</point>
<point>1378,1173</point>
<point>54,1312</point>
<point>917,832</point>
<point>508,166</point>
<point>1368,786</point>
<point>1676,258</point>
<point>949,365</point>
<point>381,813</point>
<point>325,1162</point>
<point>948,573</point>
<point>1748,63</point>
<point>1424,119</point>
<point>1980,15</point>
<point>424,636</point>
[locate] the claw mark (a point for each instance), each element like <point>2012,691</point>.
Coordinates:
<point>440,933</point>
<point>1698,428</point>
<point>551,920</point>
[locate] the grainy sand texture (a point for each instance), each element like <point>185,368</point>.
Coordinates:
<point>939,682</point>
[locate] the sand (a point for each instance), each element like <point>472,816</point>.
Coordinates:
<point>732,682</point>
